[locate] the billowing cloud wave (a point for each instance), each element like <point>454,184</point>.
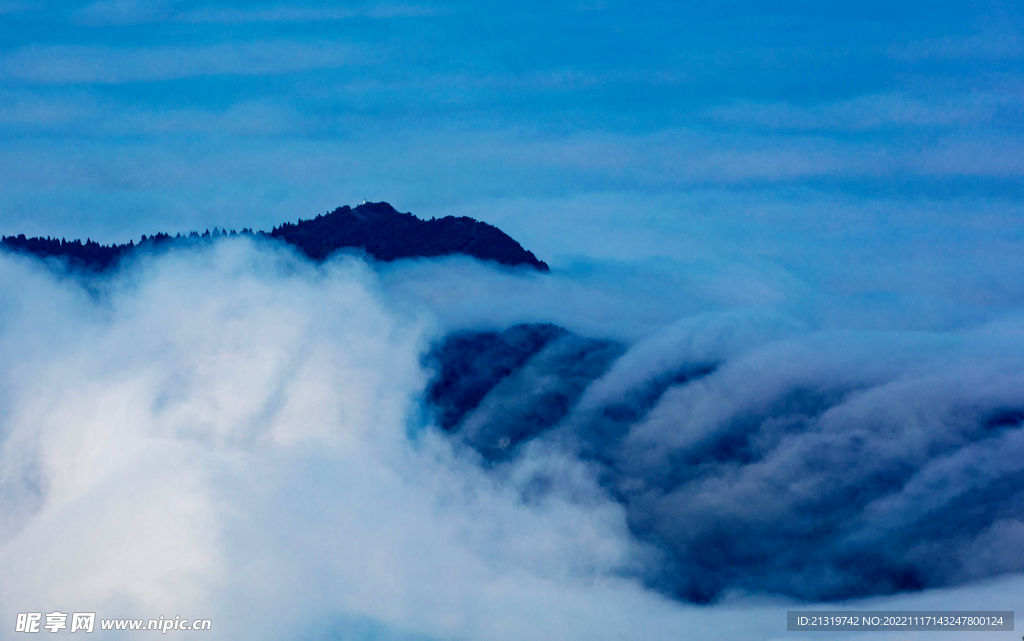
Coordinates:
<point>825,466</point>
<point>230,432</point>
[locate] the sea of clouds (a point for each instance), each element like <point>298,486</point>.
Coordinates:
<point>231,432</point>
<point>797,228</point>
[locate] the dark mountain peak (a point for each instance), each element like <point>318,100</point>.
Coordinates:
<point>387,234</point>
<point>376,228</point>
<point>369,209</point>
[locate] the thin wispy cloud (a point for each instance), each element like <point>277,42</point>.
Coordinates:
<point>142,12</point>
<point>12,7</point>
<point>289,13</point>
<point>995,43</point>
<point>881,111</point>
<point>123,12</point>
<point>91,64</point>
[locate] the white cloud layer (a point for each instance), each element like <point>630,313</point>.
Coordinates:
<point>225,436</point>
<point>231,433</point>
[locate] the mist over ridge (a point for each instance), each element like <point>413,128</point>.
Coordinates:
<point>743,452</point>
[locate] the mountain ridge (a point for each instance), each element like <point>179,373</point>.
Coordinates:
<point>376,228</point>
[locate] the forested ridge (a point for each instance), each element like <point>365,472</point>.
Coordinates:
<point>376,228</point>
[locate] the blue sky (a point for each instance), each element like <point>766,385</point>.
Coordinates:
<point>865,149</point>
